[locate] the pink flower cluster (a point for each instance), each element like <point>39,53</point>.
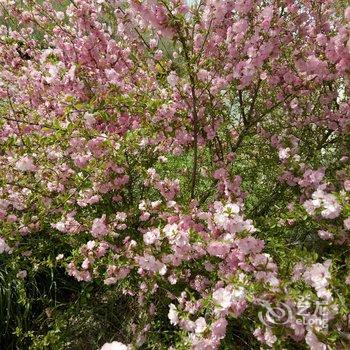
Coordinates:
<point>179,151</point>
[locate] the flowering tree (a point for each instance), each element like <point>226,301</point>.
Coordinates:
<point>193,159</point>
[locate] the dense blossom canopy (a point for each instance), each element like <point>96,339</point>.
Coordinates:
<point>191,157</point>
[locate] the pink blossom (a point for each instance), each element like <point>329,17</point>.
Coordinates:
<point>325,235</point>
<point>347,185</point>
<point>283,153</point>
<point>153,43</point>
<point>225,297</point>
<point>3,246</point>
<point>330,208</point>
<point>218,249</point>
<point>152,236</point>
<point>158,55</point>
<point>22,274</point>
<point>318,276</point>
<point>222,297</point>
<point>25,164</point>
<point>269,337</point>
<point>172,79</point>
<point>99,227</point>
<point>110,281</point>
<point>312,178</point>
<point>200,325</point>
<point>313,342</point>
<point>347,14</point>
<point>173,315</point>
<point>250,245</point>
<point>219,328</point>
<point>150,263</point>
<point>145,216</point>
<point>203,75</point>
